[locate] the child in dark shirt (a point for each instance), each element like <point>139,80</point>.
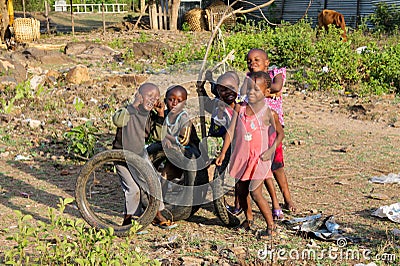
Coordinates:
<point>135,124</point>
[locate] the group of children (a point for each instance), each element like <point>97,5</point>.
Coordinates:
<point>249,118</point>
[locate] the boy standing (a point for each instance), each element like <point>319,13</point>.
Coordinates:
<point>135,124</point>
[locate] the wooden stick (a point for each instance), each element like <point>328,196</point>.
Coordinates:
<point>209,44</point>
<point>223,60</point>
<point>140,17</point>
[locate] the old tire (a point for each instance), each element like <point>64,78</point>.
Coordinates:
<point>97,179</point>
<point>220,196</point>
<point>190,178</point>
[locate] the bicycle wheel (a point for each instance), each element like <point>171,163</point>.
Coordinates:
<point>99,194</point>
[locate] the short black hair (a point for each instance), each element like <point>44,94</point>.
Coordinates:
<point>258,50</point>
<point>176,87</point>
<point>261,75</point>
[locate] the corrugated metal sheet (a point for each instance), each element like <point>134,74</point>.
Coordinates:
<point>292,10</point>
<point>295,10</point>
<point>347,7</point>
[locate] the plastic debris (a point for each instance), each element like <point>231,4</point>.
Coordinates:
<point>392,212</point>
<point>321,228</point>
<point>362,49</point>
<point>388,179</point>
<point>20,157</point>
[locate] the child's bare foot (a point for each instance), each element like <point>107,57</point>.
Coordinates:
<point>267,233</point>
<point>289,206</point>
<point>246,225</point>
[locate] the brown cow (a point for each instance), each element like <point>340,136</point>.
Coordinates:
<point>327,17</point>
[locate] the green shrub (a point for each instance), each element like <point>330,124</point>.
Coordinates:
<point>386,18</point>
<point>65,241</point>
<point>82,139</point>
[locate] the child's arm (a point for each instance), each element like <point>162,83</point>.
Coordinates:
<point>208,102</point>
<point>121,116</point>
<point>156,121</point>
<point>277,83</point>
<point>183,137</point>
<point>228,136</point>
<point>280,134</point>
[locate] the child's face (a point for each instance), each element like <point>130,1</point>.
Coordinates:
<point>227,90</point>
<point>150,96</point>
<point>175,101</point>
<point>257,61</point>
<point>256,90</point>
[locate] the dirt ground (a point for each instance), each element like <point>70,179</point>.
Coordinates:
<point>333,145</point>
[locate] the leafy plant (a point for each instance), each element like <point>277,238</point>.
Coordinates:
<point>386,18</point>
<point>116,43</point>
<point>82,139</point>
<point>23,90</point>
<point>65,241</point>
<point>143,37</point>
<point>7,106</point>
<point>78,104</point>
<point>185,27</point>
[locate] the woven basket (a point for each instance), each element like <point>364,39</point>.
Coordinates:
<point>214,14</point>
<point>26,30</point>
<point>196,19</point>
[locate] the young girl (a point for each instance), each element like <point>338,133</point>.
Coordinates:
<point>252,125</point>
<point>257,60</point>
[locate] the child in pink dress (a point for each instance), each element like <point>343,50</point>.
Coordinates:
<point>257,60</point>
<point>252,125</point>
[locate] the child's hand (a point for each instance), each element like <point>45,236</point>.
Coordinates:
<point>200,86</point>
<point>138,100</point>
<point>220,159</point>
<point>208,76</point>
<point>159,107</point>
<point>267,155</point>
<point>167,143</point>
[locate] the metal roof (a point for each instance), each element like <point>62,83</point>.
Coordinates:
<point>293,10</point>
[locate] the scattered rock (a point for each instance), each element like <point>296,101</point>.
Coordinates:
<point>148,49</point>
<point>52,76</point>
<point>379,196</point>
<point>191,261</point>
<point>348,230</point>
<point>36,81</point>
<point>131,80</point>
<point>15,72</point>
<point>33,56</point>
<point>78,75</point>
<point>90,50</point>
<point>239,251</point>
<point>4,154</point>
<point>33,124</point>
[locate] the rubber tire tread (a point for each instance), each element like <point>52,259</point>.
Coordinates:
<point>117,156</point>
<point>226,217</point>
<point>174,212</point>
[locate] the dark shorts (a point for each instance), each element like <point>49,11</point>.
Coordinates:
<point>278,158</point>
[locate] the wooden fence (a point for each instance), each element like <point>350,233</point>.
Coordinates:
<point>91,8</point>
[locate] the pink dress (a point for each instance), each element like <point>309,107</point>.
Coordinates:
<point>251,140</point>
<point>276,103</point>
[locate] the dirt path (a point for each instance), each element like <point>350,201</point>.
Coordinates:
<point>333,146</point>
<point>329,159</point>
